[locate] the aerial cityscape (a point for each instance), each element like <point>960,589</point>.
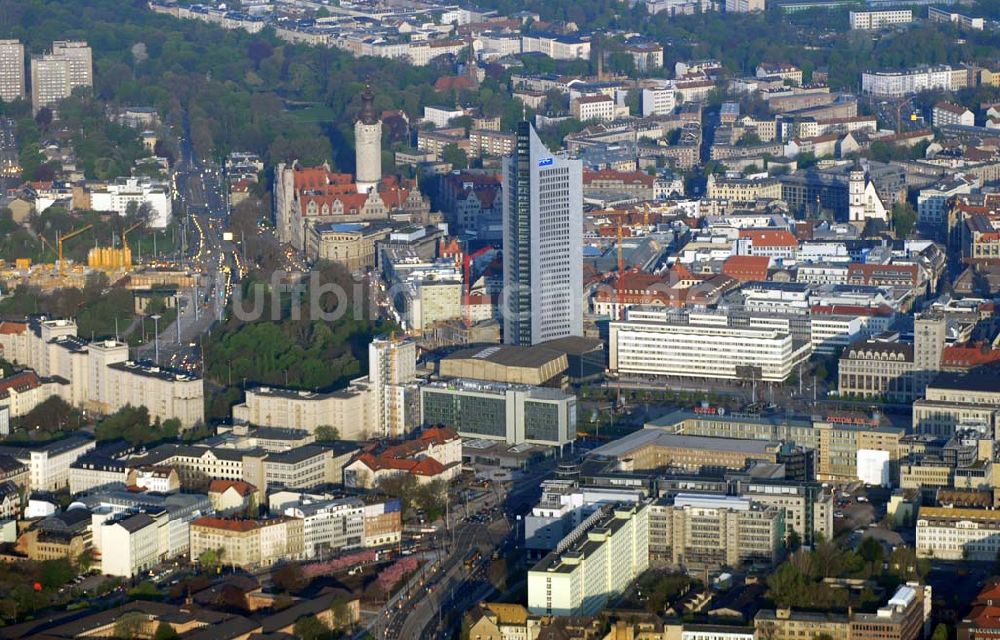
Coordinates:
<point>514,320</point>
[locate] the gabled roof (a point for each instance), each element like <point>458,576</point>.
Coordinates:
<point>221,486</point>
<point>770,237</point>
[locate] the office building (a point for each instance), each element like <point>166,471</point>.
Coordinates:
<point>708,532</point>
<point>654,448</point>
<point>808,508</point>
<point>654,341</point>
<point>660,101</point>
<point>948,113</point>
<point>131,544</point>
<point>953,533</point>
<point>181,509</point>
<point>54,76</point>
<point>563,506</point>
<point>542,239</point>
<point>330,526</point>
<point>514,414</point>
<point>953,399</point>
<point>11,70</point>
<point>593,565</point>
<point>50,462</point>
<point>151,195</point>
<point>94,472</point>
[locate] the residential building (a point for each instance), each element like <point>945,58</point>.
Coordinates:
<point>896,84</point>
<point>249,543</point>
<point>742,189</point>
<point>299,468</point>
<point>952,533</point>
<point>154,196</point>
<point>347,410</point>
<point>542,239</point>
<point>514,414</point>
<point>880,19</point>
<point>744,6</point>
<point>392,365</point>
<point>932,208</point>
<point>230,497</point>
<point>54,76</point>
<point>965,22</point>
<point>653,341</point>
<point>11,70</point>
<point>11,507</point>
<point>158,479</point>
<point>383,524</point>
<point>808,508</point>
<point>435,454</point>
<point>588,108</point>
<point>659,102</point>
<point>708,532</point>
<point>788,72</point>
<point>948,113</point>
<point>330,526</point>
<point>593,564</point>
<point>131,543</point>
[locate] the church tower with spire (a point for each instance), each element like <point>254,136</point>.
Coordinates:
<point>367,144</point>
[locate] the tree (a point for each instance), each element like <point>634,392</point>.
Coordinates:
<point>311,628</point>
<point>326,433</point>
<point>340,613</point>
<point>289,577</point>
<point>130,625</point>
<point>456,156</point>
<point>145,590</point>
<point>165,632</point>
<point>211,558</point>
<point>940,632</point>
<point>794,539</point>
<point>904,219</point>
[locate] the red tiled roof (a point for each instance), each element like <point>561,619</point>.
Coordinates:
<point>427,467</point>
<point>746,268</point>
<point>882,310</point>
<point>221,486</point>
<point>438,435</point>
<point>12,328</point>
<point>227,525</point>
<point>19,382</point>
<point>969,356</point>
<point>624,177</point>
<point>770,237</point>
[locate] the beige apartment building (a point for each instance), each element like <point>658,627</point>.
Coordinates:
<point>11,70</point>
<point>100,376</point>
<point>248,543</point>
<point>55,75</point>
<point>348,410</point>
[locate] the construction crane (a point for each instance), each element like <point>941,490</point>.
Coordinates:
<point>60,238</point>
<point>128,231</point>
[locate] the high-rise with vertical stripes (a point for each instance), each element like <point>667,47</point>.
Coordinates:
<point>542,243</point>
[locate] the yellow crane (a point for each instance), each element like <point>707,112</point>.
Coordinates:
<point>60,238</point>
<point>128,231</point>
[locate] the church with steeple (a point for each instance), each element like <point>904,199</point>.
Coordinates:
<point>864,203</point>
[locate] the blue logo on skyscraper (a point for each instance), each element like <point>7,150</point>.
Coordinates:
<point>545,162</point>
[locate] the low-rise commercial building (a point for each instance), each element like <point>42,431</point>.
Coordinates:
<point>653,448</point>
<point>952,533</point>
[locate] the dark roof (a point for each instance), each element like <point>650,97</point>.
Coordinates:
<point>298,454</point>
<point>985,379</point>
<point>136,522</point>
<point>290,615</point>
<point>10,464</point>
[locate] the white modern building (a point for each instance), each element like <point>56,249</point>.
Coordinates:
<point>932,200</point>
<point>948,113</point>
<point>649,342</point>
<point>563,506</point>
<point>593,564</point>
<point>49,463</point>
<point>329,526</point>
<point>542,239</point>
<point>659,102</point>
<point>134,543</point>
<point>895,84</point>
<point>154,196</point>
<point>880,19</point>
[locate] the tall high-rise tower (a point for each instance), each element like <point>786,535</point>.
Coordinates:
<point>55,75</point>
<point>367,144</point>
<point>929,333</point>
<point>542,243</point>
<point>11,70</point>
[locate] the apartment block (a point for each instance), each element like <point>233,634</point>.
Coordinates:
<point>249,543</point>
<point>346,410</point>
<point>592,565</point>
<point>50,462</point>
<point>11,70</point>
<point>879,19</point>
<point>133,543</point>
<point>55,75</point>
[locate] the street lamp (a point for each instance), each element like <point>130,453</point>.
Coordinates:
<point>156,337</point>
